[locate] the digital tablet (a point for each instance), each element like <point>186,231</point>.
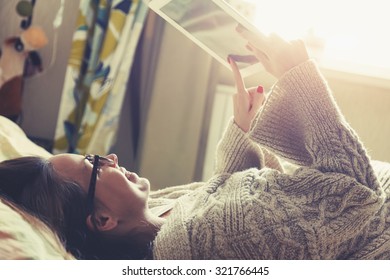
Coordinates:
<point>211,24</point>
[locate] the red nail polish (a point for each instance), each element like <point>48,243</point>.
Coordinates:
<point>260,89</point>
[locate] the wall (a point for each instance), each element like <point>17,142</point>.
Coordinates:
<point>42,92</point>
<point>365,103</point>
<point>183,85</point>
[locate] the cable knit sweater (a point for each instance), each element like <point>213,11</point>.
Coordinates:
<point>331,207</point>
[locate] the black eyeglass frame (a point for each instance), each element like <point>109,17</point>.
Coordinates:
<point>96,161</point>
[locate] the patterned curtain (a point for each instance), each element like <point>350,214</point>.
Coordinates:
<point>98,70</point>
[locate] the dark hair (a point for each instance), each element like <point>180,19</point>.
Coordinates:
<point>33,184</point>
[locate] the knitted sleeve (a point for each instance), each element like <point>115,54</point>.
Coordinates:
<point>336,191</point>
<point>302,123</point>
<point>237,152</point>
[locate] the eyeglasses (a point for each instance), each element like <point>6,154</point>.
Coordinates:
<point>97,162</point>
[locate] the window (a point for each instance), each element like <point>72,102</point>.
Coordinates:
<point>345,35</point>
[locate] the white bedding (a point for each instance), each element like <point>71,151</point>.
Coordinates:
<point>14,142</point>
<point>22,236</point>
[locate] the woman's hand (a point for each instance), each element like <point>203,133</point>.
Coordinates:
<point>277,55</point>
<point>246,102</point>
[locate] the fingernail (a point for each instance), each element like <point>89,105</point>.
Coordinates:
<point>260,89</point>
<point>228,59</point>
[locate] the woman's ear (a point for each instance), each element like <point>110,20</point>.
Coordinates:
<point>101,222</point>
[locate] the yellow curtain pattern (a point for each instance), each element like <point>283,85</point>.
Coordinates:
<point>99,66</point>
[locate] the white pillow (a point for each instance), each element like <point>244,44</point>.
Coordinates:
<point>14,142</point>
<point>25,237</point>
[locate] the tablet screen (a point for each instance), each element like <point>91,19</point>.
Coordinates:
<point>210,24</point>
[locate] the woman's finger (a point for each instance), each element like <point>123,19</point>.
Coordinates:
<point>237,76</point>
<point>261,57</point>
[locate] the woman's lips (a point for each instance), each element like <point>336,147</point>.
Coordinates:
<point>131,176</point>
<point>134,178</point>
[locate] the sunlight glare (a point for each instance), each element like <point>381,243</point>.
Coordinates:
<point>342,31</point>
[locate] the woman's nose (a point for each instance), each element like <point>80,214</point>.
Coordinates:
<point>113,157</point>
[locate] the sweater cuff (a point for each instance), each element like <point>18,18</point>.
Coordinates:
<point>297,104</point>
<point>306,86</point>
<point>236,152</point>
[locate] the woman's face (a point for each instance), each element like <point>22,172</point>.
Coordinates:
<point>121,192</point>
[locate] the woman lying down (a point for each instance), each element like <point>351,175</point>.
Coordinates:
<point>331,207</point>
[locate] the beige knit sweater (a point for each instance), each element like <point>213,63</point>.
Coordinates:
<point>332,207</point>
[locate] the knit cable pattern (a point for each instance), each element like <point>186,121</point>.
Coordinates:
<point>332,207</point>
